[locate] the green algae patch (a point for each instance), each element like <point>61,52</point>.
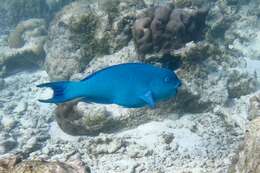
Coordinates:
<point>86,23</point>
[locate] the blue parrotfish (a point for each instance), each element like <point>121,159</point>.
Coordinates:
<point>130,85</point>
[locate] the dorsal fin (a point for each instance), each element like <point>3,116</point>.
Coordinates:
<point>109,67</point>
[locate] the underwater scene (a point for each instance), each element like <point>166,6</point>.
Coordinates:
<point>129,86</point>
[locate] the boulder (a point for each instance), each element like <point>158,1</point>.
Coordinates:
<point>24,49</point>
<point>83,31</point>
<point>78,118</point>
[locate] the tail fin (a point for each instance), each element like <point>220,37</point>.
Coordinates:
<point>62,91</point>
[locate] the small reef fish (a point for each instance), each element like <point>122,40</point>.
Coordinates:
<point>130,85</point>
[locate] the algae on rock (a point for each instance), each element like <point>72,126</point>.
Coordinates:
<point>240,84</point>
<point>82,31</point>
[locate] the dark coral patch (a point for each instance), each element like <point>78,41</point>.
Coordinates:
<point>163,28</point>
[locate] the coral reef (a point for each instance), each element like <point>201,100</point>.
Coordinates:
<point>165,28</point>
<point>36,27</point>
<point>201,130</point>
<point>25,47</point>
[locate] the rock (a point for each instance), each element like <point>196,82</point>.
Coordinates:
<point>196,94</point>
<point>201,62</point>
<point>167,138</point>
<point>137,151</point>
<point>75,122</point>
<point>28,123</point>
<point>2,83</point>
<point>6,145</point>
<point>26,47</point>
<point>35,27</point>
<point>14,164</point>
<point>78,118</point>
<point>8,163</point>
<point>164,28</point>
<point>105,145</point>
<point>243,35</point>
<point>221,15</point>
<point>240,84</point>
<point>254,107</point>
<point>20,108</point>
<point>8,122</point>
<point>249,157</point>
<point>83,31</point>
<point>31,145</point>
<point>46,167</point>
<point>77,21</point>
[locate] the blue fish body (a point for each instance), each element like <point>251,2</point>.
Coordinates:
<point>130,85</point>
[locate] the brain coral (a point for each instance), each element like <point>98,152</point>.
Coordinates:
<point>163,28</point>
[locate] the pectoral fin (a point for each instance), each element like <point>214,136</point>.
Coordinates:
<point>148,98</point>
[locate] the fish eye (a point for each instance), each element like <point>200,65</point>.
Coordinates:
<point>167,79</point>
